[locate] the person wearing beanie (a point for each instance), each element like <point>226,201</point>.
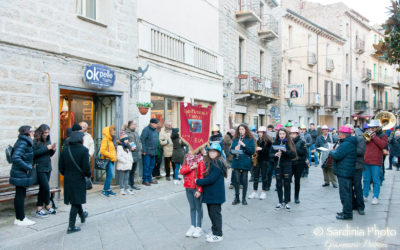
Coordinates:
<point>124,163</point>
<point>149,139</point>
<point>76,127</point>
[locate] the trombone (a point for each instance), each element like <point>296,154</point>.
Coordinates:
<point>387,121</point>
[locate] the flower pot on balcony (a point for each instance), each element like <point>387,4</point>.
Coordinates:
<point>143,110</point>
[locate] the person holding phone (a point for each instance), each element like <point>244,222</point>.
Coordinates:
<point>43,150</point>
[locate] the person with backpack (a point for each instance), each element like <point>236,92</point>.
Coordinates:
<point>43,150</point>
<point>21,157</point>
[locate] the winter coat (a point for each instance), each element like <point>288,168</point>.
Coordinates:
<point>134,137</point>
<point>321,141</point>
<point>307,138</point>
<point>149,139</point>
<point>344,157</point>
<point>124,159</point>
<point>227,146</point>
<point>74,180</point>
<point>178,153</point>
<point>373,153</point>
<point>22,162</point>
<point>218,138</point>
<point>244,160</point>
<point>395,146</point>
<point>88,143</point>
<point>314,134</point>
<point>107,148</point>
<point>42,155</point>
<point>287,156</point>
<point>166,142</point>
<point>263,154</point>
<point>360,152</point>
<point>301,150</point>
<point>191,175</point>
<point>213,183</point>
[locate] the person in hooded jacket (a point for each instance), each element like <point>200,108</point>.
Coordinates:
<point>43,150</point>
<point>283,160</point>
<point>75,155</point>
<point>300,163</point>
<point>20,173</point>
<point>108,151</point>
<point>344,160</point>
<point>358,199</point>
<point>243,147</point>
<point>395,148</point>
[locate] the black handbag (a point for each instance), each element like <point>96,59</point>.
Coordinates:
<point>89,184</point>
<point>101,164</point>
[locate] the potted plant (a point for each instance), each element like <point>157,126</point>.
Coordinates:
<point>144,107</point>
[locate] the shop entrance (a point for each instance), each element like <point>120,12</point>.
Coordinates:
<point>97,109</point>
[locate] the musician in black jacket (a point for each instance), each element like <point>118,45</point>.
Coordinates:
<point>300,163</point>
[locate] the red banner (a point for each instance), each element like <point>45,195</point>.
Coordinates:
<point>195,125</point>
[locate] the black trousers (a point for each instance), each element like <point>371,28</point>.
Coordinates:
<point>261,167</point>
<point>214,212</point>
<point>345,192</point>
<point>241,177</point>
<point>297,173</point>
<point>357,191</point>
<point>75,210</point>
<point>132,174</point>
<point>282,176</point>
<point>167,165</point>
<point>156,169</point>
<point>391,161</point>
<point>270,171</point>
<point>19,200</point>
<point>44,189</point>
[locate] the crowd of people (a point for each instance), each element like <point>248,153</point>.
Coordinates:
<point>284,152</point>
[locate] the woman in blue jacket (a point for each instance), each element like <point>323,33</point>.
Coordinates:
<point>242,149</point>
<point>20,174</point>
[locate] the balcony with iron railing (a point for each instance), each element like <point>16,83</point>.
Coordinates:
<point>313,100</point>
<point>360,106</point>
<point>329,65</point>
<point>382,81</point>
<point>360,46</point>
<point>248,12</point>
<point>366,75</point>
<point>332,102</point>
<point>268,28</point>
<point>378,105</point>
<point>311,58</point>
<point>250,86</point>
<point>158,43</point>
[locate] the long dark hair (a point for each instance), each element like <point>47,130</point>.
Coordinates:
<point>24,130</point>
<point>288,139</point>
<point>39,133</point>
<point>266,138</point>
<point>247,134</point>
<point>219,162</point>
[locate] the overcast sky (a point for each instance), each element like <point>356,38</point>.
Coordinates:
<point>374,10</point>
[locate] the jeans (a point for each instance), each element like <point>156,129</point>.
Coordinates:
<point>214,211</point>
<point>148,165</point>
<point>346,195</point>
<point>176,171</point>
<point>132,174</point>
<point>109,176</point>
<point>123,179</point>
<point>312,147</point>
<point>371,172</point>
<point>241,177</point>
<point>196,208</point>
<point>283,182</point>
<point>75,209</point>
<point>44,189</point>
<point>358,200</point>
<point>19,200</point>
<point>261,167</point>
<point>167,165</point>
<point>297,172</point>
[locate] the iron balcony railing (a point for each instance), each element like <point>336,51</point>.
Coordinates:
<point>248,82</point>
<point>269,23</point>
<point>360,106</point>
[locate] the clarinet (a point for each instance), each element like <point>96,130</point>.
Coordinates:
<point>279,158</point>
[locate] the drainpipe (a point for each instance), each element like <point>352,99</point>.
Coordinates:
<point>351,69</point>
<point>318,78</point>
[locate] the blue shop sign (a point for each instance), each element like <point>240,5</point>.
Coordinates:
<point>99,76</point>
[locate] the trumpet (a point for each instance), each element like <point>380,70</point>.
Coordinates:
<point>387,121</point>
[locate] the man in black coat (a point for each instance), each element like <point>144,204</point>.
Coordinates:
<point>314,134</point>
<point>75,156</point>
<point>358,199</point>
<point>149,139</point>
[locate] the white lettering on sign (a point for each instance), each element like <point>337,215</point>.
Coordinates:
<point>94,74</point>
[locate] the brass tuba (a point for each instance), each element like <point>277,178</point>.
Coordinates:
<point>387,121</point>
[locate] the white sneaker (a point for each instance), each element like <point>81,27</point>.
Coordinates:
<point>287,207</point>
<point>263,196</point>
<point>279,206</point>
<point>374,201</point>
<point>128,191</point>
<point>122,191</point>
<point>24,222</point>
<point>365,199</point>
<point>253,195</point>
<point>215,238</point>
<point>197,232</point>
<point>190,231</point>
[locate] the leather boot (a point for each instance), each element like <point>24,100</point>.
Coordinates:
<point>236,200</point>
<point>244,202</point>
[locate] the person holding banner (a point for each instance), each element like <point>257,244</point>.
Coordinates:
<point>243,147</point>
<point>283,152</point>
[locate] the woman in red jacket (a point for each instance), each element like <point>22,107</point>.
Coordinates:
<point>193,168</point>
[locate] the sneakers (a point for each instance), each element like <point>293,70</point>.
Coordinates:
<point>128,192</point>
<point>374,201</point>
<point>253,195</point>
<point>168,178</point>
<point>110,192</point>
<point>122,191</point>
<point>279,206</point>
<point>24,222</point>
<point>105,193</point>
<point>287,207</point>
<point>365,199</point>
<point>41,214</point>
<point>177,182</point>
<point>214,238</point>
<point>190,231</point>
<point>197,232</point>
<point>51,211</point>
<point>263,196</point>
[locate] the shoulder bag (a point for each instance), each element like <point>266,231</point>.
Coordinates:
<point>101,164</point>
<point>89,184</point>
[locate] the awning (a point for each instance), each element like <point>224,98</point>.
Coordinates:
<point>362,116</point>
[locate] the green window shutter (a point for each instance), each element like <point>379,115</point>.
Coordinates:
<point>374,98</point>
<point>386,100</point>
